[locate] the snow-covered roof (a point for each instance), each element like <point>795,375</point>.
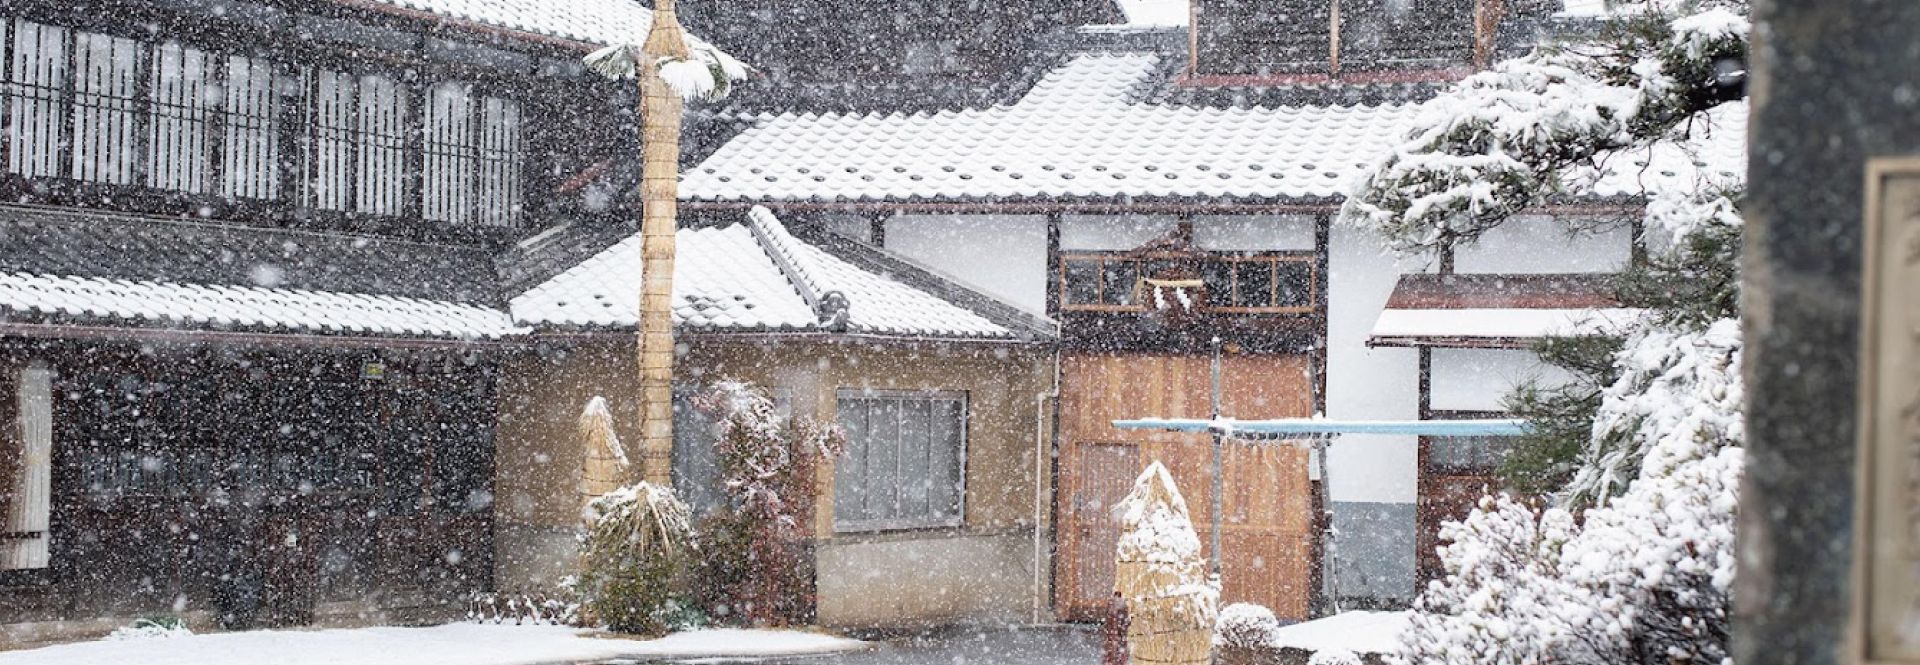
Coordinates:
<point>1491,328</point>
<point>593,21</point>
<point>165,304</point>
<point>1496,311</point>
<point>1156,13</point>
<point>749,276</point>
<point>1085,131</point>
<point>596,22</point>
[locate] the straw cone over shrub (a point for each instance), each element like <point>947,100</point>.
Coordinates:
<point>603,460</point>
<point>1160,573</point>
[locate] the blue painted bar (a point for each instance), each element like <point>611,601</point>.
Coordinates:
<point>1310,426</point>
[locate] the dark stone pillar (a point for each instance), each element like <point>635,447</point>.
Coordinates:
<point>1834,83</point>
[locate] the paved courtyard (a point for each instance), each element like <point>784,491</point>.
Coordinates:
<point>976,646</point>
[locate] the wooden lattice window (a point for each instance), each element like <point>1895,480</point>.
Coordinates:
<point>472,156</point>
<point>1260,283</point>
<point>358,156</point>
<point>106,111</point>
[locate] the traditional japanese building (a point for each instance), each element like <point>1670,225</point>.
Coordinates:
<point>299,300</point>
<point>1169,185</point>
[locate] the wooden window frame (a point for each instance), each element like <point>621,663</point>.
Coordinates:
<point>921,523</point>
<point>1273,258</point>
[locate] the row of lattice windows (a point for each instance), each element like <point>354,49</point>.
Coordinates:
<point>104,109</point>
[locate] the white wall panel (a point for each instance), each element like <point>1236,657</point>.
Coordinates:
<point>1367,383</point>
<point>1481,379</point>
<point>1111,232</point>
<point>1003,255</point>
<point>1531,245</point>
<point>1254,232</point>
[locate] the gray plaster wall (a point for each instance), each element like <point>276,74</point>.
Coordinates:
<point>1373,557</point>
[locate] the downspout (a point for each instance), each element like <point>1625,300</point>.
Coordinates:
<point>1042,454</point>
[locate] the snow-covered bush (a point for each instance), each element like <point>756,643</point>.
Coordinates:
<point>756,566</point>
<point>151,628</point>
<point>1245,626</point>
<point>637,539</point>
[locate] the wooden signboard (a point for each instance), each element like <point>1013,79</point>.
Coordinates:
<point>1886,613</point>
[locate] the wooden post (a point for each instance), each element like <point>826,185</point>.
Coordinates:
<point>660,109</point>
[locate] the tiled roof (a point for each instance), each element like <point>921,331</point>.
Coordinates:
<point>593,21</point>
<point>597,22</point>
<point>150,303</point>
<point>749,276</point>
<point>1083,133</point>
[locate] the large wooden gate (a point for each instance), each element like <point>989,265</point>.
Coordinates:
<point>1267,534</point>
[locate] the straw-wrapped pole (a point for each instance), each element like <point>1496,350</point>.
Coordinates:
<point>660,110</point>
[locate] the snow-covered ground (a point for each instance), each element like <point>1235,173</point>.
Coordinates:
<point>1358,633</point>
<point>453,644</point>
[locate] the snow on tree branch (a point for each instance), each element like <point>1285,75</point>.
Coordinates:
<point>1508,139</point>
<point>707,73</point>
<point>1677,390</point>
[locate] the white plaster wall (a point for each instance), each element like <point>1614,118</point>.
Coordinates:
<point>1367,383</point>
<point>1216,232</point>
<point>1111,232</point>
<point>1254,232</point>
<point>1003,255</point>
<point>1531,245</point>
<point>857,227</point>
<point>1480,379</point>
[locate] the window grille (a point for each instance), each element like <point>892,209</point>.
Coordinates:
<point>905,464</point>
<point>182,103</point>
<point>111,110</point>
<point>250,162</point>
<point>106,113</point>
<point>38,96</point>
<point>448,191</point>
<point>358,149</point>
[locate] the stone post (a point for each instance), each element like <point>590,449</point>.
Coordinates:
<point>1833,84</point>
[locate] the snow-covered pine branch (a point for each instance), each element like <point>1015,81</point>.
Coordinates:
<point>1513,137</point>
<point>706,73</point>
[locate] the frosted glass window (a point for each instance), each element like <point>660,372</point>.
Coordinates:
<point>905,464</point>
<point>28,483</point>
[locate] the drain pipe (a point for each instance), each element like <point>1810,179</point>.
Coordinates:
<point>1042,454</point>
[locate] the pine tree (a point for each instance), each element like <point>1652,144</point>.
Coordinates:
<point>1642,449</point>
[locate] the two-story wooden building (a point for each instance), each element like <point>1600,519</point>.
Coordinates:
<point>299,300</point>
<point>1161,183</point>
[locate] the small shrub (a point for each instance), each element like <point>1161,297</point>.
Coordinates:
<point>1245,626</point>
<point>152,627</point>
<point>636,542</point>
<point>758,567</point>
